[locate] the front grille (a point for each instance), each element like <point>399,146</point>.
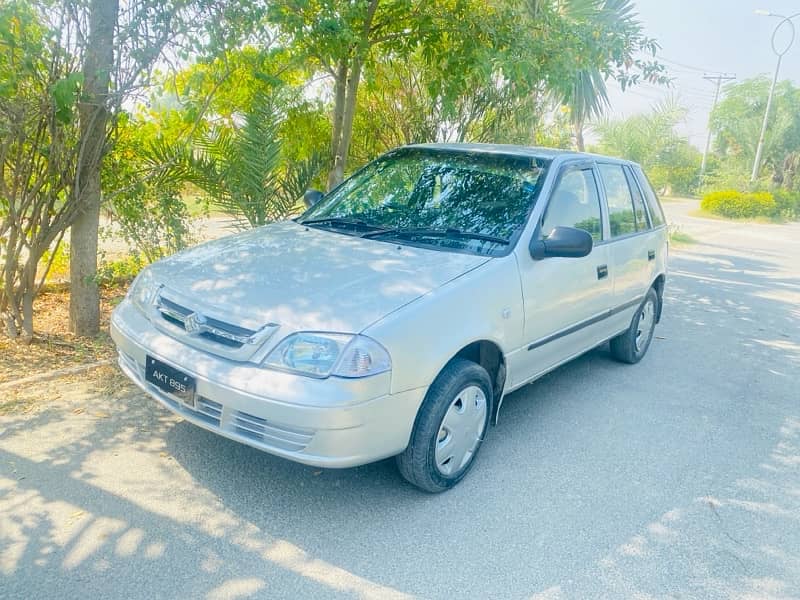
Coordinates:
<point>226,334</point>
<point>281,436</point>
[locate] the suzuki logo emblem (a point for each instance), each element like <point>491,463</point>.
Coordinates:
<point>194,323</point>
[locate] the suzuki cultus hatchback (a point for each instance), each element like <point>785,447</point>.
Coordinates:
<point>393,316</point>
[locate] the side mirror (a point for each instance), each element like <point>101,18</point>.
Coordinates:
<point>567,242</point>
<point>311,197</point>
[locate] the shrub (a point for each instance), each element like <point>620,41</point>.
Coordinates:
<point>788,205</point>
<point>122,270</point>
<point>153,220</point>
<point>58,261</point>
<point>740,205</point>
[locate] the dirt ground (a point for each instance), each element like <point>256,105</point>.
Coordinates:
<point>53,346</point>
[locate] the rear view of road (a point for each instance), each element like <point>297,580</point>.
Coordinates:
<point>677,477</point>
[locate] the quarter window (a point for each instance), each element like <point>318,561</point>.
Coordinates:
<point>621,215</point>
<point>656,214</point>
<point>639,210</point>
<point>575,203</point>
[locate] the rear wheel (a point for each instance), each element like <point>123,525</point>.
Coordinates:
<point>632,345</point>
<point>450,427</point>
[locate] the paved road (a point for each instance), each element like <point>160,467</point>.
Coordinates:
<point>679,477</point>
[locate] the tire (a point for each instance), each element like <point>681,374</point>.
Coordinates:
<point>450,427</point>
<point>631,346</point>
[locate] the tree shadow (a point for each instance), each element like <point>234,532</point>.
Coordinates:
<point>678,476</point>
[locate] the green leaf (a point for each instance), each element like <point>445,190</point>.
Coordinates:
<point>65,96</point>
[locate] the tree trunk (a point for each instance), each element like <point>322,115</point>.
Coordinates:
<point>84,298</point>
<point>579,144</point>
<point>345,94</point>
<point>347,120</point>
<point>345,99</point>
<point>340,88</point>
<point>28,284</point>
<point>84,307</point>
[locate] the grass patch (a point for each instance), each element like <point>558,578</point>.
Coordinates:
<point>704,214</point>
<point>679,237</point>
<point>669,199</point>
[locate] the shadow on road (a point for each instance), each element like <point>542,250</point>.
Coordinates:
<point>680,475</point>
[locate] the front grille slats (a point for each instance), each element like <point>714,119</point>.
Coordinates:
<point>270,433</point>
<point>214,330</point>
<point>209,408</point>
<point>252,423</point>
<point>169,305</point>
<point>179,317</point>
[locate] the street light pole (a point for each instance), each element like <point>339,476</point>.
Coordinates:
<point>779,53</point>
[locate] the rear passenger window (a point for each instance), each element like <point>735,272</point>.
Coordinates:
<point>656,214</point>
<point>621,216</point>
<point>575,203</point>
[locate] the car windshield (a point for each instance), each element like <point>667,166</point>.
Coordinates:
<point>457,201</point>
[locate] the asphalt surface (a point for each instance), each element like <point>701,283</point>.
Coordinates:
<point>675,478</point>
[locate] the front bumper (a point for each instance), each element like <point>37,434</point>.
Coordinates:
<point>329,422</point>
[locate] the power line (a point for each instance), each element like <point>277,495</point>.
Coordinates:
<point>684,65</point>
<point>680,89</point>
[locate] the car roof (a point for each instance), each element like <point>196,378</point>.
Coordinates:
<point>516,150</point>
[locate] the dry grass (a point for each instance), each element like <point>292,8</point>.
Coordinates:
<point>53,346</point>
<point>104,381</point>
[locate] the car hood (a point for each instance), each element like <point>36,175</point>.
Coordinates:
<point>304,278</point>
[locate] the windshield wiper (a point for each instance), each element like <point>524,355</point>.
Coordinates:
<point>449,233</point>
<point>334,221</point>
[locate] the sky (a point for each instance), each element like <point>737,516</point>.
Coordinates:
<point>707,36</point>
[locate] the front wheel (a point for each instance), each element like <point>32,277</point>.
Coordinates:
<point>632,345</point>
<point>450,427</point>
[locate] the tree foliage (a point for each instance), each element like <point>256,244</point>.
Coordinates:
<point>651,140</point>
<point>736,124</point>
<point>148,212</point>
<point>37,160</point>
<point>606,42</point>
<point>252,101</point>
<point>475,62</point>
<point>241,167</point>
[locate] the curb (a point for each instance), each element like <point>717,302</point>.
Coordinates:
<point>55,374</point>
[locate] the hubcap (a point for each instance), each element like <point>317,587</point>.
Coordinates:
<point>461,430</point>
<point>644,328</point>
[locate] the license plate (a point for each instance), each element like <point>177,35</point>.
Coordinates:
<point>170,380</point>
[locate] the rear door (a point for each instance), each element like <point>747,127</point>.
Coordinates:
<point>634,246</point>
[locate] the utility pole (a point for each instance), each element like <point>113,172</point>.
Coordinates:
<point>718,79</point>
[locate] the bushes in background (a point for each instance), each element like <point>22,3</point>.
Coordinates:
<point>744,205</point>
<point>788,205</point>
<point>737,205</point>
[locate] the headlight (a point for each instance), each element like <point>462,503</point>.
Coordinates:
<point>143,291</point>
<point>324,354</point>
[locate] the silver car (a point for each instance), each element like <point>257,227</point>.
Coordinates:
<point>394,315</point>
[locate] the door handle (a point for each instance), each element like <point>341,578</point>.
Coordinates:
<point>602,271</point>
<point>651,255</point>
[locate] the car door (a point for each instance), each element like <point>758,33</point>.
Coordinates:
<point>565,299</point>
<point>633,244</point>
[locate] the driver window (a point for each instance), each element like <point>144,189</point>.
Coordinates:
<point>575,203</point>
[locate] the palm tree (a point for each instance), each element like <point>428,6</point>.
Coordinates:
<point>240,168</point>
<point>585,92</point>
<point>586,97</point>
